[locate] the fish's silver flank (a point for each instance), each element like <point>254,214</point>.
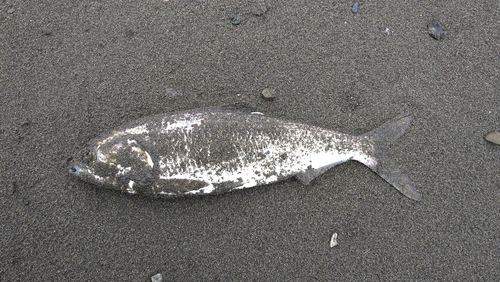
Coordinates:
<point>202,152</point>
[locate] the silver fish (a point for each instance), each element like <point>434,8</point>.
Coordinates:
<point>211,151</point>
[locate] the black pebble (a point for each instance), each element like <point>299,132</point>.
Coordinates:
<point>236,20</point>
<point>355,7</point>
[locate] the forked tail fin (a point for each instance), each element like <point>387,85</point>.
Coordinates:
<point>383,136</point>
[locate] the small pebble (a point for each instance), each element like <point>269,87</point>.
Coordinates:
<point>355,7</point>
<point>157,278</point>
<point>269,93</point>
<point>435,30</point>
<point>493,137</point>
<point>236,20</point>
<point>386,31</point>
<point>11,11</point>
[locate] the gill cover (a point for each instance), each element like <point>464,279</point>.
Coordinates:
<point>119,161</point>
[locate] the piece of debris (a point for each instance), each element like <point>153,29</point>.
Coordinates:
<point>435,30</point>
<point>11,11</point>
<point>493,137</point>
<point>386,31</point>
<point>236,20</point>
<point>269,93</point>
<point>355,7</point>
<point>333,241</point>
<point>157,278</point>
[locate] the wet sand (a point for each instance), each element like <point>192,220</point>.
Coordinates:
<point>73,70</point>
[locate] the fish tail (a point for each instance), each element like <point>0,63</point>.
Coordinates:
<point>382,137</point>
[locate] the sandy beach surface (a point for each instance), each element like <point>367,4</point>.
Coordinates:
<point>71,70</point>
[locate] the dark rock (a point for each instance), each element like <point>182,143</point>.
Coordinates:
<point>493,137</point>
<point>236,20</point>
<point>435,30</point>
<point>355,7</point>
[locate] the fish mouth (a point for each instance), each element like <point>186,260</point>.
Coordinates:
<point>75,168</point>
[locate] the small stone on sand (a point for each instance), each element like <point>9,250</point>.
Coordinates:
<point>355,7</point>
<point>268,93</point>
<point>435,30</point>
<point>493,137</point>
<point>157,278</point>
<point>236,20</point>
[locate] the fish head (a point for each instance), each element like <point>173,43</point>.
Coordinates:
<point>120,162</point>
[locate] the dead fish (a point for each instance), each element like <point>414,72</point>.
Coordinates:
<point>209,151</point>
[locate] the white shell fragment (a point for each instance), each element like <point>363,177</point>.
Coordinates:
<point>493,137</point>
<point>333,241</point>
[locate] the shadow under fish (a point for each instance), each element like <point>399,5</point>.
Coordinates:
<point>209,151</point>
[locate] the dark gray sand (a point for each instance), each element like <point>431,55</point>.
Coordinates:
<point>71,70</point>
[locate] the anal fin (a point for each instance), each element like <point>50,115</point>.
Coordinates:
<point>309,174</point>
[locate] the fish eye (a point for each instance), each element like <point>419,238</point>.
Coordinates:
<point>88,156</point>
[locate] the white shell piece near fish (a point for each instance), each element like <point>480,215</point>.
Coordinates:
<point>333,240</point>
